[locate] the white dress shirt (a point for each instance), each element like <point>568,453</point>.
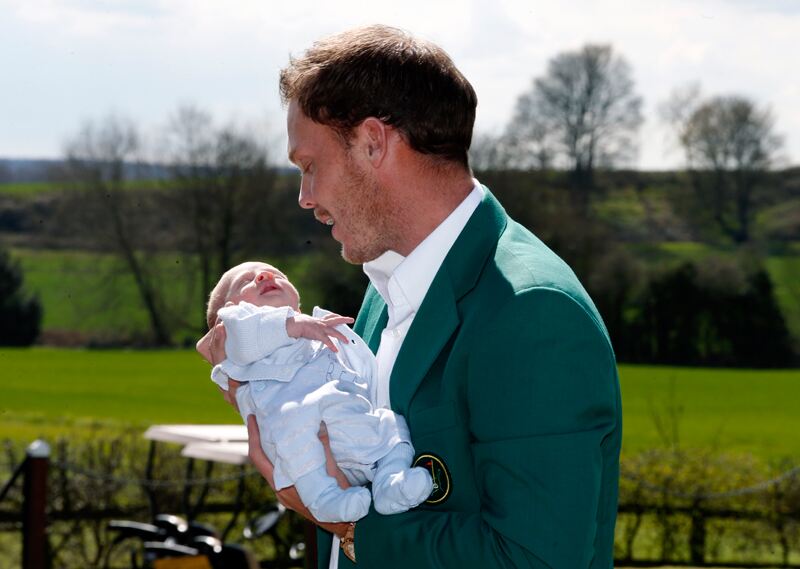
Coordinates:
<point>403,283</point>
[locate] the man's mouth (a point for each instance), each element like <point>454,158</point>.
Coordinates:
<point>324,217</point>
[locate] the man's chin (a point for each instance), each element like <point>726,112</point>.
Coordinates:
<point>359,256</point>
<point>351,257</point>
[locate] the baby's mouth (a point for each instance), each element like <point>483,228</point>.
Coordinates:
<point>269,286</point>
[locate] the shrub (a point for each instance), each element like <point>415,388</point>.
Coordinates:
<point>717,313</point>
<point>20,314</point>
<point>705,507</point>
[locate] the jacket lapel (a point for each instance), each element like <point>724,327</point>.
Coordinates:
<point>371,319</point>
<point>438,317</point>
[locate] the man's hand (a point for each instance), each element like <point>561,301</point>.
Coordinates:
<point>289,496</point>
<point>322,329</point>
<point>212,348</point>
<point>230,395</point>
<point>212,345</point>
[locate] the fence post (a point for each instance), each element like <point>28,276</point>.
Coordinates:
<point>697,534</point>
<point>34,521</point>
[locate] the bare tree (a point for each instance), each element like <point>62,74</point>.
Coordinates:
<point>730,145</point>
<point>191,156</point>
<point>220,194</point>
<point>111,215</point>
<point>583,112</point>
<point>529,141</point>
<point>488,152</point>
<point>5,173</point>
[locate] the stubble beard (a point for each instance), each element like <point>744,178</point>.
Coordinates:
<point>369,217</point>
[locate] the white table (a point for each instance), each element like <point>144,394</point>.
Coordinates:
<point>228,452</point>
<point>185,434</point>
<point>195,434</point>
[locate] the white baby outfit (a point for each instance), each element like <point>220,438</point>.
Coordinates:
<point>291,385</point>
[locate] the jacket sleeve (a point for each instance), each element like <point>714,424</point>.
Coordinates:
<point>542,401</point>
<point>254,332</point>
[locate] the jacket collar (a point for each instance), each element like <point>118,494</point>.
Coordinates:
<point>437,317</point>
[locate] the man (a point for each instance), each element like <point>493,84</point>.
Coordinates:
<point>485,339</point>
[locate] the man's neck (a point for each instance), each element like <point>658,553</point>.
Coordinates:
<point>425,203</point>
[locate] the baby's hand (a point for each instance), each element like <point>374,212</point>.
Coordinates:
<point>322,329</point>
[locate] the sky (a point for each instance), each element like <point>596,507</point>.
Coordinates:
<point>63,62</point>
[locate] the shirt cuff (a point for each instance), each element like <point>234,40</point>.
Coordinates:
<point>219,377</point>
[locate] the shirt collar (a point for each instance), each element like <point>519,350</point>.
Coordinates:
<point>406,280</point>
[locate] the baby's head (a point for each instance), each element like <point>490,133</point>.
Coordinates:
<point>254,282</point>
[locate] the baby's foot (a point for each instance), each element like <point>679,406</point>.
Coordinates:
<point>401,491</point>
<point>337,505</point>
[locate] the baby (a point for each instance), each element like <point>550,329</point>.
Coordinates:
<point>295,378</point>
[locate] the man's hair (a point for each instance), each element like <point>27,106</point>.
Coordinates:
<point>383,72</point>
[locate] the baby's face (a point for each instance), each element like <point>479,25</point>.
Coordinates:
<point>262,285</point>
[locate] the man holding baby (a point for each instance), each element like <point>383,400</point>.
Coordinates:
<point>486,342</point>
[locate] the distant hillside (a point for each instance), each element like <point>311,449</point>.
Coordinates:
<point>15,171</point>
<point>27,170</point>
<point>32,171</point>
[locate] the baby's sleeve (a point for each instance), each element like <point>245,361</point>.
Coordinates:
<point>254,332</point>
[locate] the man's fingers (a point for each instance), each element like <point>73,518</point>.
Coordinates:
<point>203,346</point>
<point>230,394</point>
<point>230,399</point>
<point>256,453</point>
<point>217,348</point>
<point>330,462</point>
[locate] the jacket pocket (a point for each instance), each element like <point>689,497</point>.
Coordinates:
<point>433,419</point>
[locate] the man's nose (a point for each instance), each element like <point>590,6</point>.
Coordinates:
<point>305,198</point>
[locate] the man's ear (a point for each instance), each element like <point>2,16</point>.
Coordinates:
<point>373,138</point>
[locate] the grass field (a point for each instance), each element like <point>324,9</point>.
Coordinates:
<point>74,286</point>
<point>28,189</point>
<point>753,411</point>
<point>33,190</point>
<point>55,392</point>
<point>51,392</point>
<point>93,294</point>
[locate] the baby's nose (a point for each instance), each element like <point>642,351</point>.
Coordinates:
<point>263,275</point>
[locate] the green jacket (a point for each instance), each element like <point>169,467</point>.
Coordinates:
<point>507,377</point>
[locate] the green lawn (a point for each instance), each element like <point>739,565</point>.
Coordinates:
<point>51,392</point>
<point>94,294</point>
<point>30,190</point>
<point>784,270</point>
<point>754,411</point>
